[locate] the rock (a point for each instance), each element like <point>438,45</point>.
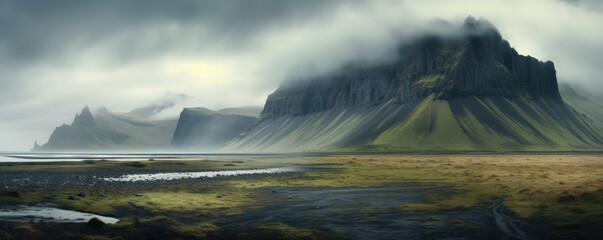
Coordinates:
<point>10,193</point>
<point>566,198</point>
<point>229,165</point>
<point>136,164</point>
<point>220,195</point>
<point>71,197</point>
<point>206,129</point>
<point>99,130</point>
<point>95,223</point>
<point>139,195</point>
<point>82,194</point>
<point>244,236</point>
<point>480,62</point>
<point>84,119</point>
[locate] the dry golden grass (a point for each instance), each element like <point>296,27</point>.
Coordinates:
<point>562,187</point>
<point>568,188</point>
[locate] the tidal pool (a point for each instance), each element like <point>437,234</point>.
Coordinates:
<point>205,174</point>
<point>48,213</point>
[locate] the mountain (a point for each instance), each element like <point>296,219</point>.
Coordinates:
<point>144,128</point>
<point>588,104</point>
<point>106,130</point>
<point>469,92</point>
<point>167,124</point>
<point>204,129</point>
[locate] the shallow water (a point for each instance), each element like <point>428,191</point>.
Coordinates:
<point>48,213</point>
<point>206,174</point>
<point>78,157</point>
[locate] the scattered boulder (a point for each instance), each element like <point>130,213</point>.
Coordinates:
<point>95,223</point>
<point>136,164</point>
<point>244,236</point>
<point>11,194</point>
<point>139,195</point>
<point>578,210</point>
<point>525,190</point>
<point>220,195</point>
<point>82,194</point>
<point>566,198</point>
<point>229,165</point>
<point>71,197</point>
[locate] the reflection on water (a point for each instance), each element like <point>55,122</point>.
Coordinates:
<point>77,157</point>
<point>206,174</point>
<point>48,213</point>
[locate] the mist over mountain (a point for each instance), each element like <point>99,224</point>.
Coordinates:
<point>584,101</point>
<point>171,123</point>
<point>201,129</point>
<point>461,89</point>
<point>471,92</point>
<point>145,128</point>
<point>109,131</point>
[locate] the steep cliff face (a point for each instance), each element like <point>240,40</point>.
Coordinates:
<point>474,123</point>
<point>84,119</point>
<point>204,129</point>
<point>472,92</point>
<point>480,62</point>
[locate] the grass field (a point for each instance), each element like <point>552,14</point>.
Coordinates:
<point>564,189</point>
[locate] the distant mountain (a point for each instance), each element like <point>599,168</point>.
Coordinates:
<point>587,103</point>
<point>106,130</point>
<point>146,128</point>
<point>167,124</point>
<point>470,92</point>
<point>204,129</point>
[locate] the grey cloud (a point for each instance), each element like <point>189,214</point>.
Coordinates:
<point>34,30</point>
<point>594,5</point>
<point>57,56</point>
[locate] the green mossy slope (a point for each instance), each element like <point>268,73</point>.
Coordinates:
<point>459,124</point>
<point>493,124</point>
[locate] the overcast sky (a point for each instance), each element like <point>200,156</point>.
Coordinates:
<point>57,56</point>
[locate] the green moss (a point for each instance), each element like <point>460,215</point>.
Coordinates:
<point>291,232</point>
<point>197,230</point>
<point>229,202</point>
<point>367,211</point>
<point>167,225</point>
<point>432,81</point>
<point>530,184</point>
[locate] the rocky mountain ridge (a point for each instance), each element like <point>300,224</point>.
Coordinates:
<point>204,129</point>
<point>480,62</point>
<point>471,92</point>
